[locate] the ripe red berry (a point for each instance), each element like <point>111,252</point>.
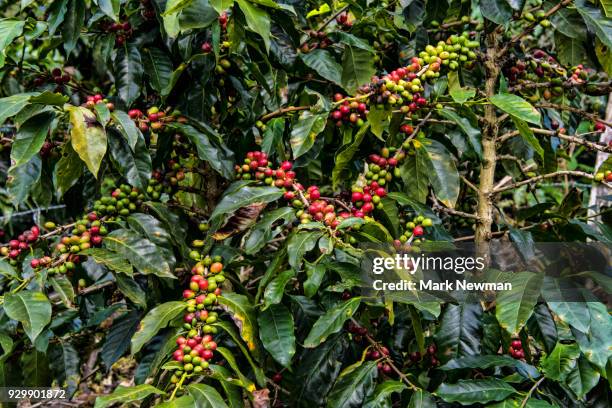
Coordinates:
<point>315,195</point>
<point>13,244</point>
<point>277,378</point>
<point>14,253</point>
<point>96,240</point>
<point>417,231</point>
<point>188,294</point>
<point>206,354</point>
<point>289,195</point>
<point>366,198</point>
<point>35,263</point>
<point>516,344</point>
<point>356,196</point>
<point>367,207</point>
<point>599,127</point>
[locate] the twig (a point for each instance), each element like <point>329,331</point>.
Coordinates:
<point>388,360</point>
<point>545,176</point>
<point>573,139</point>
<point>439,207</point>
<point>601,87</point>
<point>531,26</point>
<point>326,22</point>
<point>581,112</point>
<point>282,111</point>
<point>469,183</point>
<point>531,390</point>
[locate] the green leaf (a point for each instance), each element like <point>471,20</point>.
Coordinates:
<point>102,113</point>
<point>443,174</point>
<point>276,333</point>
<point>276,288</point>
<point>516,106</point>
<point>7,270</point>
<point>257,20</point>
<point>9,30</point>
<point>467,392</point>
<point>381,397</point>
<point>583,378</point>
<point>488,361</point>
<point>135,166</point>
<point>117,341</point>
<point>125,395</point>
<point>127,127</point>
<point>218,157</point>
<point>299,244</point>
<point>558,364</point>
<point>30,308</point>
<point>12,105</point>
<point>242,197</point>
<point>459,94</point>
<point>514,307</point>
<point>318,369</point>
<point>305,131</point>
<point>263,232</point>
<point>87,137</point>
<point>233,333</point>
<point>379,120</point>
<point>231,360</point>
<point>422,399</point>
<point>576,314</point>
<point>498,11</point>
<point>110,8</point>
<point>243,314</point>
<point>186,401</point>
<point>351,389</point>
<point>345,154</point>
<point>50,98</point>
<point>315,274</point>
<point>596,346</point>
<point>128,73</point>
<point>21,179</point>
<point>111,260</point>
<point>65,364</point>
<point>30,138</point>
<point>35,368</point>
<point>570,51</point>
<point>154,321</point>
<point>63,287</point>
<point>158,67</point>
<point>595,21</point>
<point>415,175</point>
<point>132,290</point>
<point>528,136</point>
<point>324,64</point>
<point>143,254</point>
<point>472,132</point>
<point>73,22</point>
<point>206,396</point>
<point>331,322</point>
<point>357,68</point>
<point>459,331</point>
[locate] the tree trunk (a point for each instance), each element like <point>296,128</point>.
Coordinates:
<point>489,153</point>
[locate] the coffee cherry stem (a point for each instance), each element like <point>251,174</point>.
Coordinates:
<point>387,358</point>
<point>178,386</point>
<point>413,134</point>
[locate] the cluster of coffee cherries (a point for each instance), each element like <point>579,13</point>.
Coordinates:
<point>92,100</point>
<point>58,76</point>
<point>343,20</point>
<point>539,16</point>
<point>121,200</point>
<point>316,39</point>
<point>357,331</point>
<point>455,50</point>
<point>165,181</point>
<point>122,30</point>
<point>349,112</point>
<point>195,350</point>
<point>88,232</point>
<point>604,176</point>
<point>155,119</point>
<point>415,228</point>
<point>257,167</point>
<point>516,349</point>
<point>318,209</point>
<point>15,247</point>
<point>401,87</point>
<point>46,150</point>
<point>377,354</point>
<point>416,357</point>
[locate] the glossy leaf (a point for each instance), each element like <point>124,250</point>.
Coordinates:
<point>357,68</point>
<point>126,395</point>
<point>514,307</point>
<point>129,72</point>
<point>517,107</point>
<point>468,392</point>
<point>155,320</point>
<point>30,138</point>
<point>351,389</point>
<point>206,396</point>
<point>30,308</point>
<point>331,322</point>
<point>305,131</point>
<point>276,333</point>
<point>243,315</point>
<point>558,364</point>
<point>134,165</point>
<point>324,64</point>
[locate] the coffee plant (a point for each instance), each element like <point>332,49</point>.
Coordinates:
<point>189,187</point>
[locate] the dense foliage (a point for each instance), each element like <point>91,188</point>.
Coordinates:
<point>188,185</point>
